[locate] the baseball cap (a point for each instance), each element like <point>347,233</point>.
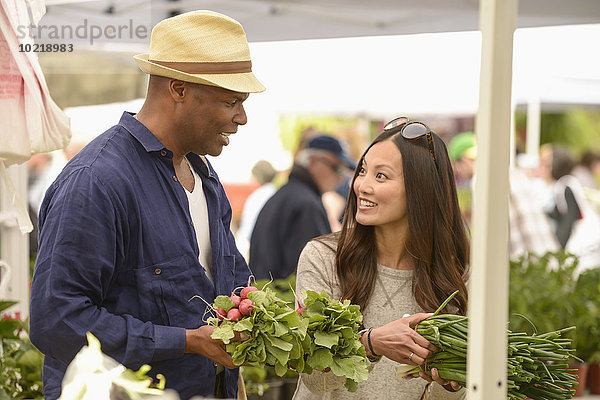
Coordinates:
<point>334,146</point>
<point>461,145</point>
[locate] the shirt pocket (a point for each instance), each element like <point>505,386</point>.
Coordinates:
<point>165,290</point>
<point>227,276</point>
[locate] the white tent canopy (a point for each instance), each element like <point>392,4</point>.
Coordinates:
<point>373,77</point>
<point>271,20</point>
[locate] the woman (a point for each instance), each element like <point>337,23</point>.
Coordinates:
<point>402,250</point>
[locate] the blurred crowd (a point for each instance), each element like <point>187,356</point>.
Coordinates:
<point>554,203</point>
<point>554,199</point>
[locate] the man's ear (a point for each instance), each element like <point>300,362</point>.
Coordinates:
<point>178,90</point>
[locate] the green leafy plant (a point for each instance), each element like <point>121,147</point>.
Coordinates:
<point>20,362</point>
<point>587,300</point>
<point>542,287</point>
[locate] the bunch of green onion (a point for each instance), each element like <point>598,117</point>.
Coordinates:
<point>537,365</point>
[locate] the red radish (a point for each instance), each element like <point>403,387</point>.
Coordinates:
<point>246,306</point>
<point>299,310</point>
<point>236,299</point>
<point>234,315</point>
<point>221,313</point>
<point>247,290</point>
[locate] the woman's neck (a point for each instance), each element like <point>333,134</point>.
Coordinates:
<point>390,244</point>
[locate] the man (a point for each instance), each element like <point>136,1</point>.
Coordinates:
<point>138,222</point>
<point>295,213</point>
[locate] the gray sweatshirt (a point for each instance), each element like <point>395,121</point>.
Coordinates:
<point>392,298</point>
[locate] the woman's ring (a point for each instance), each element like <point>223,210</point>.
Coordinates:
<point>410,357</point>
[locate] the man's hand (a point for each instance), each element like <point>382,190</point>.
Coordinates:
<point>199,341</point>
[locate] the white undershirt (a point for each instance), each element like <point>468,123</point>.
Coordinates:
<point>199,212</point>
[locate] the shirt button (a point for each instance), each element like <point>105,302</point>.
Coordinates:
<point>157,271</point>
<point>174,178</point>
<point>163,153</point>
<point>192,223</point>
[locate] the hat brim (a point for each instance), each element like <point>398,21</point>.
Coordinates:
<point>348,162</point>
<point>242,82</point>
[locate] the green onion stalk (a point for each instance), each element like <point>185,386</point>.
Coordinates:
<point>537,364</point>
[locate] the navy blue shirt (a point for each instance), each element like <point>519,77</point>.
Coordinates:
<point>118,257</point>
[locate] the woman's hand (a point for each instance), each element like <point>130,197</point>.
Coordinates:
<point>399,342</point>
<point>450,386</point>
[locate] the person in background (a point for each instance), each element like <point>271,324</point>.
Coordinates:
<point>555,163</point>
<point>576,223</point>
<point>264,173</point>
<point>334,202</point>
<point>462,152</point>
<point>138,223</point>
<point>402,251</point>
<point>295,213</point>
<point>530,230</point>
<point>588,170</point>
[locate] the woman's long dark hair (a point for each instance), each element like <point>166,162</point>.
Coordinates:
<point>437,239</point>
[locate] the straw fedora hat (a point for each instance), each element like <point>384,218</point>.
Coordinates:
<point>201,47</point>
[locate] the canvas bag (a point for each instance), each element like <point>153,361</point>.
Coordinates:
<point>31,120</point>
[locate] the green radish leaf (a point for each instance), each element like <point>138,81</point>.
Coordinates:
<point>320,359</point>
<point>270,359</point>
<point>231,347</point>
<point>223,302</point>
<point>280,369</point>
<point>280,344</point>
<point>298,364</point>
<point>296,351</point>
<point>342,366</point>
<point>280,329</point>
<point>224,333</point>
<point>245,324</point>
<point>326,339</point>
<point>259,298</point>
<point>291,318</point>
<point>280,355</point>
<point>351,385</point>
<point>302,327</point>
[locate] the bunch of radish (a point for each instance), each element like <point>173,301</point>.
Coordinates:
<point>242,305</point>
<point>276,332</point>
<point>321,335</point>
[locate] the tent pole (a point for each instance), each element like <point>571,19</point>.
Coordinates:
<point>488,286</point>
<point>513,136</point>
<point>534,117</point>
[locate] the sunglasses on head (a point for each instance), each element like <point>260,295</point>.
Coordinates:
<point>411,130</point>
